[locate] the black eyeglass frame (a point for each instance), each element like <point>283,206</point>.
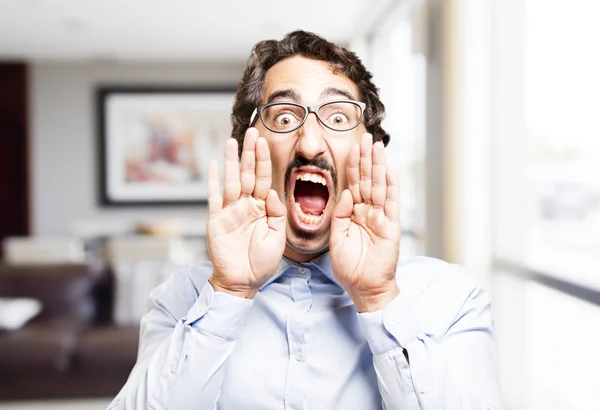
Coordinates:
<point>257,113</point>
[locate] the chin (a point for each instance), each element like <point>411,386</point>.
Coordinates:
<point>303,246</point>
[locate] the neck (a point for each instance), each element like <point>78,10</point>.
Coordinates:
<point>299,257</point>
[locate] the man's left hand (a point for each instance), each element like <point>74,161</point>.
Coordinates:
<point>365,229</point>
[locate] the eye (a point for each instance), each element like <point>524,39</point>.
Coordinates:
<point>282,117</point>
<point>285,120</point>
<point>338,118</point>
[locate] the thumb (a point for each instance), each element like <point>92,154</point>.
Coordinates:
<point>340,222</point>
<point>345,207</point>
<point>275,208</point>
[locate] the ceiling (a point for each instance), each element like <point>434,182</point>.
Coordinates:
<point>170,30</point>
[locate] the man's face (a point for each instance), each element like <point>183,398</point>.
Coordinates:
<point>309,164</point>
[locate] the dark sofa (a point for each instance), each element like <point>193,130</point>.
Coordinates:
<point>72,348</point>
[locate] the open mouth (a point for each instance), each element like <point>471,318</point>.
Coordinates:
<point>310,188</point>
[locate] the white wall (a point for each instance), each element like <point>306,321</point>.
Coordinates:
<point>63,154</point>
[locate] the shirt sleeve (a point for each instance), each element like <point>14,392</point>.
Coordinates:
<point>449,367</point>
<point>183,354</point>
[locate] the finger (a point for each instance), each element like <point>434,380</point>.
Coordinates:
<point>263,170</point>
<point>248,164</point>
<point>379,189</point>
<point>366,165</point>
<point>215,202</point>
<point>392,204</point>
<point>353,173</point>
<point>231,191</point>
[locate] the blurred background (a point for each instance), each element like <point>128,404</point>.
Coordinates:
<point>110,110</point>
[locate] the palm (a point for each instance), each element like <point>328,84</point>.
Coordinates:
<point>246,227</point>
<point>362,244</point>
<point>365,230</point>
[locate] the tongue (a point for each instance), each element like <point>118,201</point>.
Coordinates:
<point>311,197</point>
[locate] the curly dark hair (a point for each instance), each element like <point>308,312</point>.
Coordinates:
<point>266,54</point>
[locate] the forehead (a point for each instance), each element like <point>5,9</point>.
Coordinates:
<point>308,78</point>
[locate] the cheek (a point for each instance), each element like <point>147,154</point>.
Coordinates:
<point>340,160</point>
<point>278,165</point>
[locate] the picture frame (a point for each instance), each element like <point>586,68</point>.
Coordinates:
<point>155,143</point>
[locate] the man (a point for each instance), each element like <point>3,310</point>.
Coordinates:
<point>306,304</point>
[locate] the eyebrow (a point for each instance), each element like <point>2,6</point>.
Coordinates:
<point>290,94</point>
<point>336,92</point>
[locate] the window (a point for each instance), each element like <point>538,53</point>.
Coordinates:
<point>399,72</point>
<point>562,125</point>
<point>546,213</point>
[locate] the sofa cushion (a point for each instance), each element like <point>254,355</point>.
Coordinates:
<point>65,290</point>
<point>107,348</point>
<point>43,347</point>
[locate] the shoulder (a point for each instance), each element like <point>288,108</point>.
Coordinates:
<point>418,274</point>
<point>439,292</point>
<point>179,292</point>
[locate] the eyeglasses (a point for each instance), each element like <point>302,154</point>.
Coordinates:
<point>283,117</point>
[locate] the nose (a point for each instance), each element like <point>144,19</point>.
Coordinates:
<point>311,142</point>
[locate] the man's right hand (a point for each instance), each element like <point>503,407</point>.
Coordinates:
<point>246,226</point>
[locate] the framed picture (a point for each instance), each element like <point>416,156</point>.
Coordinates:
<point>156,143</point>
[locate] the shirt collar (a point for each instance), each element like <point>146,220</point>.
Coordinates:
<point>321,262</point>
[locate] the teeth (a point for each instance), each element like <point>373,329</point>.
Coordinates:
<point>306,218</point>
<point>309,176</point>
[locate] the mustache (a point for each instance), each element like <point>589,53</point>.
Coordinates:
<point>300,161</point>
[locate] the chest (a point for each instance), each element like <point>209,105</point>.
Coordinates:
<point>306,352</point>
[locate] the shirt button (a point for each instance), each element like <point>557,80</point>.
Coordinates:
<point>299,356</point>
<point>173,367</point>
<point>203,308</point>
<point>303,271</point>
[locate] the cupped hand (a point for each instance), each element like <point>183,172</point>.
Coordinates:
<point>246,225</point>
<point>365,229</point>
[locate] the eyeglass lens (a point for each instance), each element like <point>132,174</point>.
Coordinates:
<point>339,116</point>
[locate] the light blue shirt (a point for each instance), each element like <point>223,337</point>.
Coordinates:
<point>301,344</point>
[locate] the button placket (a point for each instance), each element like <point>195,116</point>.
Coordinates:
<point>295,394</point>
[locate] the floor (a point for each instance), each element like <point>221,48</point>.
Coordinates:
<point>92,404</point>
